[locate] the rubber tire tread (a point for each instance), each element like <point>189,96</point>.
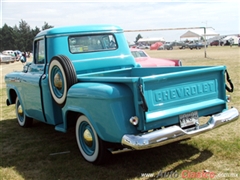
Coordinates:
<point>69,71</point>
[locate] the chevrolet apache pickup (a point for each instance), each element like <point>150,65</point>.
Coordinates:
<point>85,77</point>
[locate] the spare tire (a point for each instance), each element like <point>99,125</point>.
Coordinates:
<point>62,76</point>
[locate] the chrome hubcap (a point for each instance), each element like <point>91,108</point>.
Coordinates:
<point>88,139</point>
<point>57,81</point>
<point>19,110</point>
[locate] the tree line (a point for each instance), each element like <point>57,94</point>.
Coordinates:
<point>19,37</point>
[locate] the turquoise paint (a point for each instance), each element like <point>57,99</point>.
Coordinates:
<point>108,91</point>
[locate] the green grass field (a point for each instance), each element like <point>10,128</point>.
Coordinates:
<point>27,153</point>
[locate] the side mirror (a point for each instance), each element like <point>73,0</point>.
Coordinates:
<point>26,67</point>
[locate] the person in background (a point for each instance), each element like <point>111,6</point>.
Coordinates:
<point>19,55</point>
<point>15,54</point>
<point>231,42</point>
<point>23,58</point>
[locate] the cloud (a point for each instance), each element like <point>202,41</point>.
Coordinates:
<point>224,17</point>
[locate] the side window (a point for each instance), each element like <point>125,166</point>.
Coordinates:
<point>39,52</point>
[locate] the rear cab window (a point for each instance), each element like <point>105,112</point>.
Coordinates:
<point>92,43</point>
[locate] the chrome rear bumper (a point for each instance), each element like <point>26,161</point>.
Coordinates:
<point>175,133</point>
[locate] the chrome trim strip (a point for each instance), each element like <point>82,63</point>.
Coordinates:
<point>175,133</point>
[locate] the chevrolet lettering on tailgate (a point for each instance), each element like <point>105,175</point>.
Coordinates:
<point>190,90</point>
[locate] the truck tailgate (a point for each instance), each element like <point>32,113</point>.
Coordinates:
<point>171,96</point>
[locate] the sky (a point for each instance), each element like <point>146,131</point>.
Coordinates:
<point>221,16</point>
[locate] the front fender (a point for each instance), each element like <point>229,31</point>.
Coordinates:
<point>13,86</point>
<point>12,93</point>
<point>108,106</point>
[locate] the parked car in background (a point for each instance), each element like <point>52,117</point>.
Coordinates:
<point>184,45</point>
<point>178,45</point>
<point>196,45</point>
<point>142,46</point>
<point>10,53</point>
<point>156,45</point>
<point>5,58</point>
<point>132,46</point>
<point>173,45</point>
<point>168,45</point>
<point>145,60</point>
<point>161,47</point>
<point>216,43</point>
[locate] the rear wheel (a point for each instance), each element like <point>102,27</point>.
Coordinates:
<point>23,120</point>
<point>92,148</point>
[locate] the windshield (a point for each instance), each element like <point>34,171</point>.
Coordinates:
<point>137,54</point>
<point>90,43</point>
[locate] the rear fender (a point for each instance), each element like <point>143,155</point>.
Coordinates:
<point>108,106</point>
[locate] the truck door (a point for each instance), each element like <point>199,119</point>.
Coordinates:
<point>33,74</point>
<point>52,113</point>
<point>38,99</point>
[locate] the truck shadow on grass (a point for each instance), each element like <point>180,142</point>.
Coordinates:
<point>40,152</point>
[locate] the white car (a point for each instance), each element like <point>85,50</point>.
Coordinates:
<point>4,58</point>
<point>9,52</point>
<point>143,46</point>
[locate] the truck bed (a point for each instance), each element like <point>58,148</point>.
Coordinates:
<point>164,95</point>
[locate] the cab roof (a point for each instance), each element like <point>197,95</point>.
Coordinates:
<point>80,29</point>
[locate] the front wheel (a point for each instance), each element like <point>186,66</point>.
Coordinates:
<point>92,148</point>
<point>23,120</point>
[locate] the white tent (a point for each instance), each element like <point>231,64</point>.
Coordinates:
<point>160,39</point>
<point>199,33</point>
<point>231,39</point>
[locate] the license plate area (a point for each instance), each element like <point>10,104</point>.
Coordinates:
<point>188,119</point>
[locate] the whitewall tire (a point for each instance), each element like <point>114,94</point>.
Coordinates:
<point>62,76</point>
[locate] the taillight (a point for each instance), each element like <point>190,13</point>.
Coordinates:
<point>134,120</point>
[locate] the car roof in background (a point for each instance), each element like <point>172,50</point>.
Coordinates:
<point>136,49</point>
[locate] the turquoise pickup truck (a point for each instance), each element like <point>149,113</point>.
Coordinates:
<point>85,77</point>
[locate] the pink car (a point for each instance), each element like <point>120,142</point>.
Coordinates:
<point>145,60</point>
